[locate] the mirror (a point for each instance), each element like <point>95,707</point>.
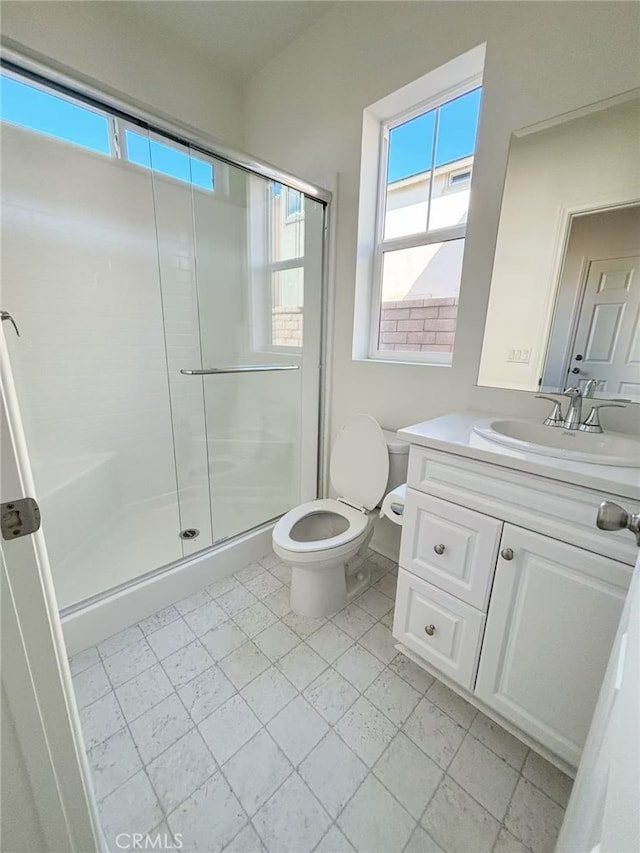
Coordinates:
<point>564,305</point>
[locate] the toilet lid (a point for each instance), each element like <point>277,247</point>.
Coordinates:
<point>360,462</point>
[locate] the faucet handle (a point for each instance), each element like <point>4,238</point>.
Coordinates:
<point>572,392</point>
<point>556,418</point>
<point>592,422</point>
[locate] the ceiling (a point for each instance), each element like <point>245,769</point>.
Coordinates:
<point>240,36</point>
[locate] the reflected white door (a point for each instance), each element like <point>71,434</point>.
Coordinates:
<point>607,343</point>
<point>46,805</point>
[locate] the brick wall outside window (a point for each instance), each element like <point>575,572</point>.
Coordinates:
<point>418,325</point>
<point>286,327</point>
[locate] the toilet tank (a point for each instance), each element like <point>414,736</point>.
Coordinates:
<point>398,459</point>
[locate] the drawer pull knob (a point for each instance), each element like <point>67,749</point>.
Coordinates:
<point>439,549</point>
<point>506,554</point>
<point>430,630</point>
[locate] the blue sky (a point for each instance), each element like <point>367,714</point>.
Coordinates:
<point>411,144</point>
<point>30,107</point>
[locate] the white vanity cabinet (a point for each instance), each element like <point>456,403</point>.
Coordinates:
<point>508,590</point>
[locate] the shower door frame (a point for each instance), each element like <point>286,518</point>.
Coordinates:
<point>42,70</point>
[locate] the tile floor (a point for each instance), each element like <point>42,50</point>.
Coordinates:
<point>228,719</point>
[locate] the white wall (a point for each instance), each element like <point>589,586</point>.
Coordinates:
<point>304,112</point>
<point>109,43</point>
<point>590,162</point>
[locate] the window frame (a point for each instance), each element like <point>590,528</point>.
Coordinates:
<point>119,134</point>
<point>421,238</point>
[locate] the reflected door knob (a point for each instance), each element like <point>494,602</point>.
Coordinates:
<point>439,549</point>
<point>506,554</point>
<point>430,630</point>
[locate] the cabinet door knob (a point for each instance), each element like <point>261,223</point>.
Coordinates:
<point>439,549</point>
<point>506,554</point>
<point>430,630</point>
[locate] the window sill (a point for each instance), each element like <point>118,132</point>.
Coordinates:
<point>403,362</point>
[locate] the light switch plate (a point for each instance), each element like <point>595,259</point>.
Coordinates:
<point>520,356</point>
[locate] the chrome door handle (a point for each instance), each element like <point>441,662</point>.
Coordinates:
<point>507,554</point>
<point>439,549</point>
<point>430,630</point>
<point>240,368</point>
<point>613,517</point>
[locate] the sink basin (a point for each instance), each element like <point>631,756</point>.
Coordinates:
<point>608,448</point>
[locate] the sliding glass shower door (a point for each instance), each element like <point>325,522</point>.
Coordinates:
<point>240,268</point>
<point>169,305</point>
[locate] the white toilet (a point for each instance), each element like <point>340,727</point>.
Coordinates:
<point>325,541</point>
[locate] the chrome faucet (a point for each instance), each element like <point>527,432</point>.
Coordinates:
<point>573,417</point>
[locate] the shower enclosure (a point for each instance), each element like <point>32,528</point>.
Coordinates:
<point>169,304</point>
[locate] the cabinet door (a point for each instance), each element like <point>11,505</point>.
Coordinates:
<point>449,546</point>
<point>552,619</point>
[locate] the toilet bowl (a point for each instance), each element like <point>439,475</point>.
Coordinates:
<point>325,541</point>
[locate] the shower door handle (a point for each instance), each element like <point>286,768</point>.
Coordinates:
<point>240,368</point>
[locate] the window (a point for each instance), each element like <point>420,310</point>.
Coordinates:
<point>168,160</point>
<point>416,173</point>
<point>285,265</point>
<point>294,203</point>
<point>35,108</point>
<point>422,210</point>
<point>456,178</point>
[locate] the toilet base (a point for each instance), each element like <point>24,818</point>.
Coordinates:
<point>318,591</point>
<point>355,563</point>
<point>324,589</point>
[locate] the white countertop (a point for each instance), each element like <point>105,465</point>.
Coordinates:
<point>454,434</point>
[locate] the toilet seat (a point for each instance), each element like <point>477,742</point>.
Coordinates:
<point>359,471</point>
<point>358,524</point>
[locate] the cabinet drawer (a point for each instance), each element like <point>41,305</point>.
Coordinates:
<point>449,546</point>
<point>454,645</point>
